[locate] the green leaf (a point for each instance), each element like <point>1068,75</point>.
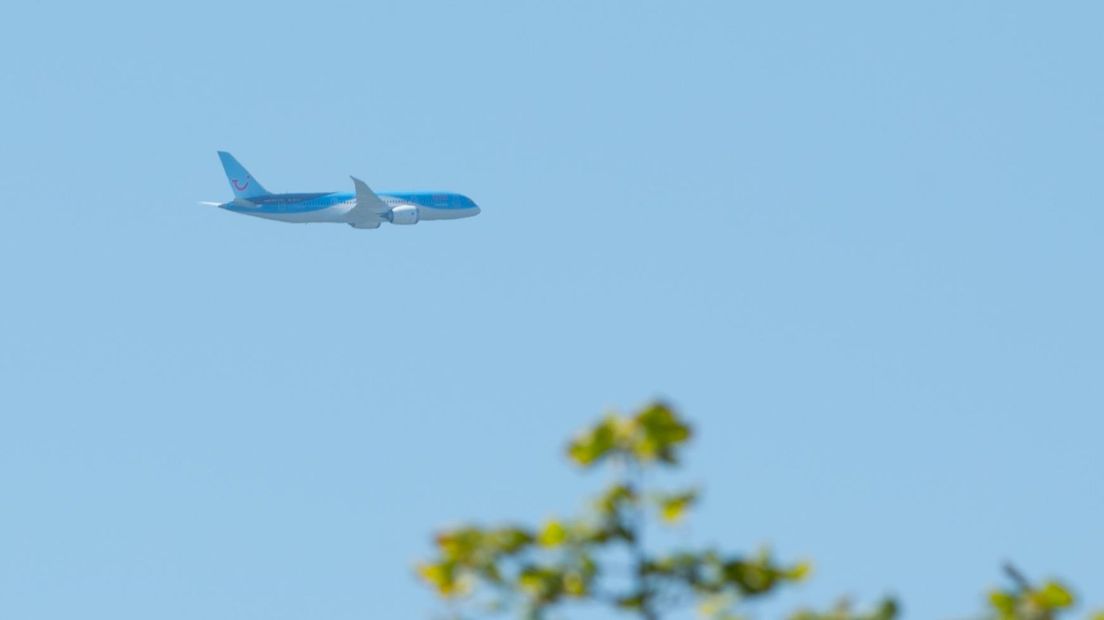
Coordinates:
<point>509,540</point>
<point>631,602</point>
<point>530,580</point>
<point>588,568</point>
<point>553,534</point>
<point>611,500</point>
<point>888,610</point>
<point>660,432</point>
<point>594,444</point>
<point>575,585</point>
<point>749,578</point>
<point>799,572</point>
<point>459,544</point>
<point>541,583</point>
<point>673,507</point>
<point>442,576</point>
<point>1053,595</point>
<point>1003,602</point>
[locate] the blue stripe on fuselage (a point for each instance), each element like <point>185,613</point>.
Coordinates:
<point>433,200</point>
<point>302,203</point>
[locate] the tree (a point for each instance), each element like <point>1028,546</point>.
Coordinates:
<point>601,558</point>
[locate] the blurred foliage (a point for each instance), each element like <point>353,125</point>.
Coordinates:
<point>600,558</point>
<point>886,610</point>
<point>1027,601</point>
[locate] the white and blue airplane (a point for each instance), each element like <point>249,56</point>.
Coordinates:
<point>360,209</point>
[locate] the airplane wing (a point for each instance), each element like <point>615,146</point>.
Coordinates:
<point>368,209</point>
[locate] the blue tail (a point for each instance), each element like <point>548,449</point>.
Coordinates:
<point>243,183</point>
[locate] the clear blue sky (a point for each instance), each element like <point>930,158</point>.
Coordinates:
<point>858,245</point>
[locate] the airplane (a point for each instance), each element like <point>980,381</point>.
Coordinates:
<point>362,208</point>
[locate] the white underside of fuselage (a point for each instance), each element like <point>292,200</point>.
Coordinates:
<point>338,214</point>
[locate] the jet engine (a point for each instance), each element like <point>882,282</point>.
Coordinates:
<point>404,215</point>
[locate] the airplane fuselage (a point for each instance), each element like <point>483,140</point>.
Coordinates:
<point>406,207</point>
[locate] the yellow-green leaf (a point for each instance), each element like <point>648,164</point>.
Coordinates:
<point>442,576</point>
<point>800,571</point>
<point>553,534</point>
<point>574,585</point>
<point>611,500</point>
<point>673,507</point>
<point>595,443</point>
<point>660,432</point>
<point>1053,595</point>
<point>1003,602</point>
<point>508,539</point>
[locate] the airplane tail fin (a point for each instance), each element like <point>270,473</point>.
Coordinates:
<point>243,183</point>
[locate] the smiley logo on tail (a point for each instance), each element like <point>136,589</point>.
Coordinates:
<point>240,188</point>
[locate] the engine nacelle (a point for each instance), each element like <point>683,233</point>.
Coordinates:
<point>404,215</point>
